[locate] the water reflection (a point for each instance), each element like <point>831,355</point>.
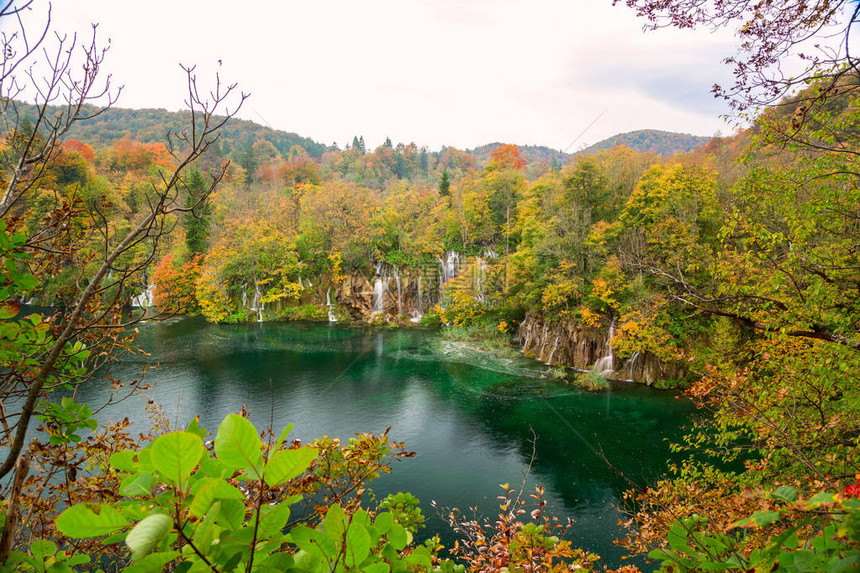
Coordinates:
<point>470,417</point>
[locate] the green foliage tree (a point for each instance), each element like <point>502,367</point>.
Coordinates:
<point>197,216</point>
<point>444,184</point>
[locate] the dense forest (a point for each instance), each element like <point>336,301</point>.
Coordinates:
<point>660,142</point>
<point>732,270</point>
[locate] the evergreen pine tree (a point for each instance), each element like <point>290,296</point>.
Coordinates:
<point>196,221</point>
<point>444,184</point>
<point>424,160</point>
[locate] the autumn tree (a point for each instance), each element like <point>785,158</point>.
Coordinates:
<point>103,257</point>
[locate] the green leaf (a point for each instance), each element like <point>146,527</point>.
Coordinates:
<point>279,562</point>
<point>214,467</point>
<point>420,557</point>
<point>176,455</point>
<point>152,563</point>
<point>232,514</point>
<point>205,531</point>
<point>397,537</point>
<point>43,549</point>
<point>357,545</point>
<point>785,493</point>
<point>7,311</point>
<point>677,537</point>
<point>232,562</point>
<point>194,428</point>
<point>383,522</point>
<point>288,464</point>
<point>376,568</point>
<point>274,519</point>
<point>335,524</point>
<point>822,498</point>
<point>238,445</point>
<point>313,542</point>
<point>210,491</point>
<point>89,520</point>
<point>283,437</point>
<point>145,535</point>
<point>762,518</point>
<point>136,484</point>
<point>144,460</point>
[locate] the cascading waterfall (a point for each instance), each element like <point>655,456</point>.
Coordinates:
<point>418,313</point>
<point>554,348</point>
<point>399,294</point>
<point>331,316</point>
<point>629,367</point>
<point>605,366</point>
<point>380,286</point>
<point>144,299</point>
<point>450,267</point>
<point>480,279</point>
<point>256,305</point>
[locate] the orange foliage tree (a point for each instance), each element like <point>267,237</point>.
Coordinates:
<point>508,156</point>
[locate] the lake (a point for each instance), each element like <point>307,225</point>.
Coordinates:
<point>469,416</point>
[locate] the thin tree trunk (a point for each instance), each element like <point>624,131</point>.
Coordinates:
<point>13,510</point>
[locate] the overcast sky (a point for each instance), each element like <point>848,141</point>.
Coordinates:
<point>436,72</point>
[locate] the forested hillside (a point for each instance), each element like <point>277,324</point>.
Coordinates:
<point>531,153</point>
<point>662,143</point>
<point>153,125</point>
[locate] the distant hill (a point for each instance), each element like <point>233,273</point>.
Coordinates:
<point>665,143</point>
<point>530,153</point>
<point>152,125</point>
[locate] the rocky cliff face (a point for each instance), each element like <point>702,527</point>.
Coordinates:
<point>396,293</point>
<point>577,346</point>
<point>355,294</point>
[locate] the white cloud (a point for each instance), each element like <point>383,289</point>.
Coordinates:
<point>435,72</point>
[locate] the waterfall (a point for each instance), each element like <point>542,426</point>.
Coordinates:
<point>450,266</point>
<point>256,305</point>
<point>144,299</point>
<point>480,279</point>
<point>399,295</point>
<point>528,335</point>
<point>379,288</point>
<point>554,348</point>
<point>626,372</point>
<point>605,366</point>
<point>330,306</point>
<point>418,313</point>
